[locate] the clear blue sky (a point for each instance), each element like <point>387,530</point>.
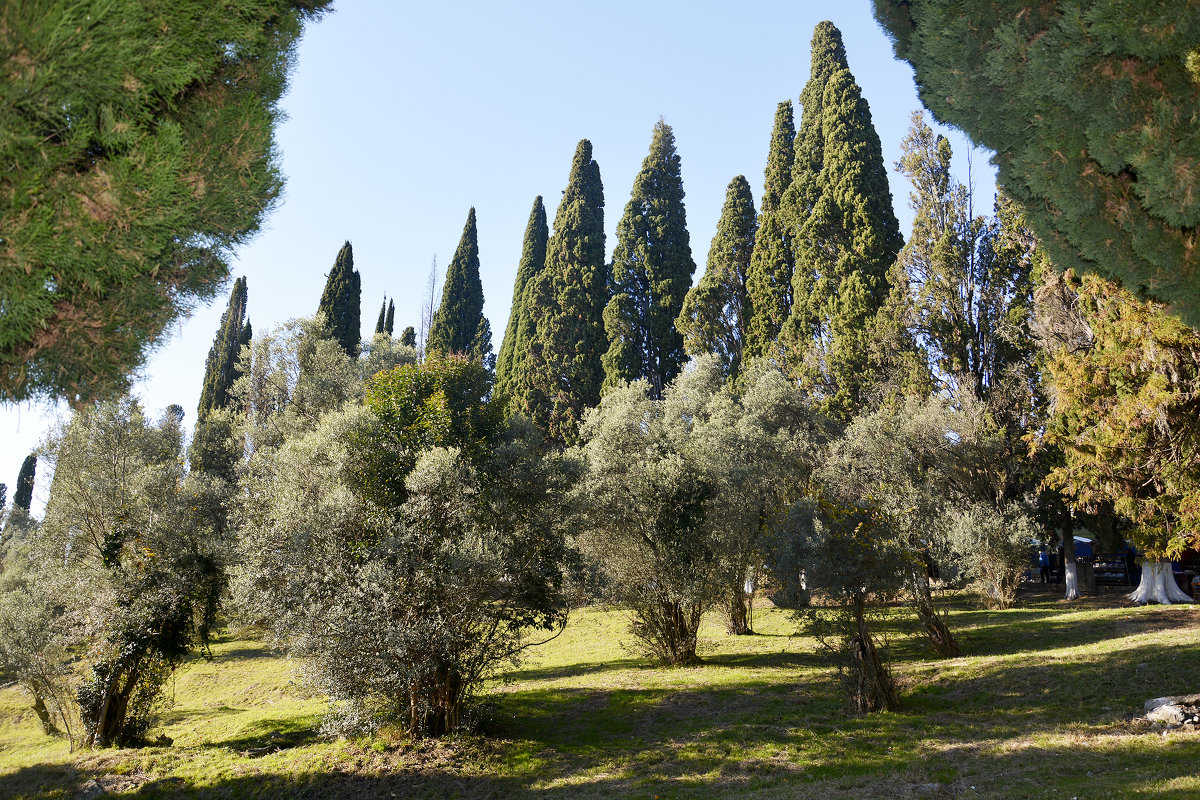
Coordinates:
<point>402,116</point>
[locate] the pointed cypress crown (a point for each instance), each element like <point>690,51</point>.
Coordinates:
<point>778,174</point>
<point>341,302</point>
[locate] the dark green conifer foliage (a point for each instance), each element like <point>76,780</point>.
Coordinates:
<point>409,337</point>
<point>845,234</point>
<point>562,373</point>
<point>341,302</point>
<point>769,281</point>
<point>3,495</point>
<point>381,323</point>
<point>515,346</point>
<point>651,272</point>
<point>390,321</point>
<point>23,496</point>
<point>459,325</point>
<point>221,366</point>
<point>716,311</point>
<point>1091,109</point>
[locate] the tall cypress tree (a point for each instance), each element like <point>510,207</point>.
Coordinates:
<point>381,323</point>
<point>769,281</point>
<point>23,496</point>
<point>844,231</point>
<point>341,302</point>
<point>562,373</point>
<point>520,328</point>
<point>221,366</point>
<point>651,272</point>
<point>716,311</point>
<point>459,325</point>
<point>390,321</point>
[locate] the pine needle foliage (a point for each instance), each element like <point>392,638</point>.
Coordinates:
<point>138,152</point>
<point>1091,110</point>
<point>651,272</point>
<point>716,311</point>
<point>341,302</point>
<point>515,346</point>
<point>562,374</point>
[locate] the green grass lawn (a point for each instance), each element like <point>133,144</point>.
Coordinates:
<point>1043,705</point>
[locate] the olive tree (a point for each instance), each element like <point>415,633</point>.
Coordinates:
<point>127,564</point>
<point>410,547</point>
<point>676,492</point>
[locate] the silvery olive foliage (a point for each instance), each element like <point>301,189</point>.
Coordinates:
<point>677,491</point>
<point>399,605</point>
<point>119,583</point>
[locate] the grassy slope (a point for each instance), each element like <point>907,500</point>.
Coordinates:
<point>1040,708</point>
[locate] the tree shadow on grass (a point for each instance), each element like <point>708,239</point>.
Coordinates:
<point>271,735</point>
<point>573,670</point>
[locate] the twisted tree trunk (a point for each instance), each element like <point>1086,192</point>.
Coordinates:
<point>940,637</point>
<point>874,689</point>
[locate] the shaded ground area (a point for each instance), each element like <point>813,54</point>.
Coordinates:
<point>1043,705</point>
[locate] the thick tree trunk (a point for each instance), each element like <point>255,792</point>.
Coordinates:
<point>43,713</point>
<point>741,607</point>
<point>1070,573</point>
<point>874,689</point>
<point>1158,585</point>
<point>940,638</point>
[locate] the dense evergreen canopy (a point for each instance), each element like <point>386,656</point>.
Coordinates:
<point>844,230</point>
<point>769,282</point>
<point>23,496</point>
<point>716,311</point>
<point>139,151</point>
<point>341,302</point>
<point>1091,108</point>
<point>652,270</point>
<point>562,373</point>
<point>517,335</point>
<point>459,325</point>
<point>221,367</point>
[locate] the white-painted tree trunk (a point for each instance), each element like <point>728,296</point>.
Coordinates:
<point>1158,585</point>
<point>1070,569</point>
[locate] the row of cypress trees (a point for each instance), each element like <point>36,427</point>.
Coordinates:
<point>802,281</point>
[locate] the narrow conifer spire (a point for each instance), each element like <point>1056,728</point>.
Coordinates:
<point>769,280</point>
<point>517,335</point>
<point>844,231</point>
<point>221,366</point>
<point>562,373</point>
<point>23,496</point>
<point>341,302</point>
<point>651,272</point>
<point>389,322</point>
<point>716,311</point>
<point>382,321</point>
<point>459,325</point>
